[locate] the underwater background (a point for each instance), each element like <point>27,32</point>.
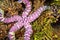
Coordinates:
<point>46,27</point>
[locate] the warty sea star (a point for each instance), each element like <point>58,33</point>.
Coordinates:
<point>23,20</point>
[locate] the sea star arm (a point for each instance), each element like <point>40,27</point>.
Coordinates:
<point>27,9</point>
<point>36,14</point>
<point>28,31</point>
<point>8,20</point>
<point>14,28</point>
<point>11,19</point>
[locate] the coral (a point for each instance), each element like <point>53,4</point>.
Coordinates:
<point>42,28</point>
<point>10,7</point>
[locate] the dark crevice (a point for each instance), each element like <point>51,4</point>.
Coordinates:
<point>23,5</point>
<point>15,0</point>
<point>57,24</point>
<point>48,2</point>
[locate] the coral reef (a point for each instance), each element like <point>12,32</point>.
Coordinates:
<point>46,27</point>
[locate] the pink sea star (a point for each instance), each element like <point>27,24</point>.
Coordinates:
<point>24,20</point>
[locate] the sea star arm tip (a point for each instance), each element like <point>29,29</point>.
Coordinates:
<point>37,13</point>
<point>27,9</point>
<point>28,32</point>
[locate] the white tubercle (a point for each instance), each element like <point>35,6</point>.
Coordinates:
<point>12,33</point>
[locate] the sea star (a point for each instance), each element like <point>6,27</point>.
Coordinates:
<point>24,20</point>
<point>18,18</point>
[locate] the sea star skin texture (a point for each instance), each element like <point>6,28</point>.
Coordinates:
<point>23,21</point>
<point>37,13</point>
<point>12,19</point>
